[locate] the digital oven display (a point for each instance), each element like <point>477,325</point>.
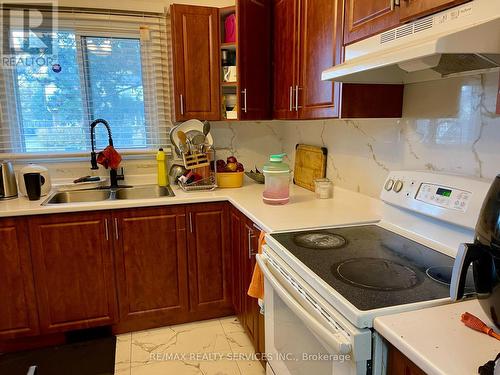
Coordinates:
<point>443,192</point>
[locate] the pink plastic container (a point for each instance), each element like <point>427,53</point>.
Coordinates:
<point>230,29</point>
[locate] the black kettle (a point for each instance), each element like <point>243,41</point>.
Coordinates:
<point>484,254</point>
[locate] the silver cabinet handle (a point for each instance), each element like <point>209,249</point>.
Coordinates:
<point>106,228</point>
<point>291,98</point>
<point>394,3</point>
<point>244,92</point>
<point>250,250</point>
<point>297,88</point>
<point>116,228</point>
<point>191,222</point>
<point>182,104</point>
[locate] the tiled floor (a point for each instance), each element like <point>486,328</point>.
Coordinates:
<point>211,347</point>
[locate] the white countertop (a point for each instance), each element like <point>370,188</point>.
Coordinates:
<point>302,212</point>
<point>437,341</point>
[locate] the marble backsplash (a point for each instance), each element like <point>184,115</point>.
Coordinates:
<point>447,126</point>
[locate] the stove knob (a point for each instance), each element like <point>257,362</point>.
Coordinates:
<point>389,184</point>
<point>398,186</point>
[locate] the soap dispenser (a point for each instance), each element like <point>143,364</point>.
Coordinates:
<point>161,158</point>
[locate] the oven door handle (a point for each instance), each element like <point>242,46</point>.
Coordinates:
<point>336,341</point>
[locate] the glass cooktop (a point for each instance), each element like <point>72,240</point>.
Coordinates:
<point>372,267</point>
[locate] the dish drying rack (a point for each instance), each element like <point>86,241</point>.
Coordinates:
<point>201,161</point>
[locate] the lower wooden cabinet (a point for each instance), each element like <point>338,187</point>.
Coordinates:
<point>73,269</point>
<point>131,269</point>
<point>209,260</point>
<point>151,266</point>
<point>18,312</point>
<point>236,220</point>
<point>399,364</point>
<point>244,242</point>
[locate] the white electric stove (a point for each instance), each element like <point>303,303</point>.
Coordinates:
<point>325,286</point>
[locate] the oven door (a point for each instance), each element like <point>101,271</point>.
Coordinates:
<point>304,335</point>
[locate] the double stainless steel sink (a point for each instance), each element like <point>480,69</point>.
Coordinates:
<point>99,195</point>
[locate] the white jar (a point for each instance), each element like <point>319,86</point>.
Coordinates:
<point>323,188</point>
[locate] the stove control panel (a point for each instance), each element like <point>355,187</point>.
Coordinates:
<point>451,198</point>
<point>444,197</point>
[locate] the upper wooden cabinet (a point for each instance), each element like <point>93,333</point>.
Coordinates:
<point>195,35</point>
<point>411,9</point>
<point>151,266</point>
<point>365,18</point>
<point>18,312</point>
<point>73,267</point>
<point>306,42</point>
<point>320,48</point>
<point>285,58</point>
<point>254,55</point>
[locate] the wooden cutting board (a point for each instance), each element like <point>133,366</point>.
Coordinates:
<point>310,164</point>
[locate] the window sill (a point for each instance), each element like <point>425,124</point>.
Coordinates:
<point>78,156</point>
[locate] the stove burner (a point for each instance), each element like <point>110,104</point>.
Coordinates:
<point>443,275</point>
<point>319,240</point>
<point>440,274</point>
<point>376,274</point>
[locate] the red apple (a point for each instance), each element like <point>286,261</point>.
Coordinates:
<point>231,167</point>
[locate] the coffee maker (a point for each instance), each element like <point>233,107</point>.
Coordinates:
<point>484,255</point>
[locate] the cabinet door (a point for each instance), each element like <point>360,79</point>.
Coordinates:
<point>285,59</point>
<point>411,9</point>
<point>209,260</point>
<point>251,307</point>
<point>151,266</point>
<point>73,267</point>
<point>398,364</point>
<point>364,18</point>
<point>195,36</point>
<point>236,223</point>
<point>254,43</point>
<point>18,313</point>
<point>320,49</point>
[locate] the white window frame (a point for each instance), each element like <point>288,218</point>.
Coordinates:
<point>86,31</point>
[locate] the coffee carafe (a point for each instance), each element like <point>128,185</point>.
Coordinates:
<point>484,255</point>
<point>8,185</point>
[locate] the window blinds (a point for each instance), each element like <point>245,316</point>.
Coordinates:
<point>107,65</point>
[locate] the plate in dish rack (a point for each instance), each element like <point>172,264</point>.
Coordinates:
<point>189,127</point>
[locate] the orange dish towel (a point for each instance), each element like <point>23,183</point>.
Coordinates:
<point>256,288</point>
<point>109,158</point>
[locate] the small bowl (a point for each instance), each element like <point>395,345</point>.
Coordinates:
<point>257,177</point>
<point>230,179</point>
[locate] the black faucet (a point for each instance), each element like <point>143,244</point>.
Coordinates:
<point>113,175</point>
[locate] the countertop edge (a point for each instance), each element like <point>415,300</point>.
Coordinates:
<point>237,197</point>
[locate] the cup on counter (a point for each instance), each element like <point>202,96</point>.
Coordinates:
<point>33,183</point>
<point>323,188</point>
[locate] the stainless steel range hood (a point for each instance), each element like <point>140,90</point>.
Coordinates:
<point>460,41</point>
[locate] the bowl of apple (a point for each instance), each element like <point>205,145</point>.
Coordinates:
<point>230,173</point>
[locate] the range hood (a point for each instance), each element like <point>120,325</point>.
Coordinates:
<point>463,40</point>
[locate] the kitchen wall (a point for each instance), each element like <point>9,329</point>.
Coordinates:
<point>447,126</point>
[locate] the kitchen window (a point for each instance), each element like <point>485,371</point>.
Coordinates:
<point>116,70</point>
